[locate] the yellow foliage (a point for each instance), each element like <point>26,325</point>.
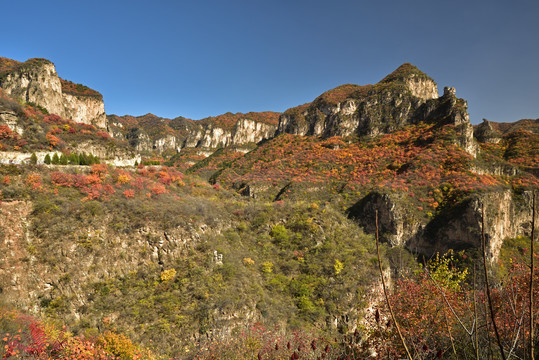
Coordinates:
<point>167,275</point>
<point>338,266</point>
<point>122,347</point>
<point>267,267</point>
<point>124,179</point>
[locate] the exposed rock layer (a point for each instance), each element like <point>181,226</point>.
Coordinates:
<point>36,81</point>
<point>458,227</point>
<point>151,133</point>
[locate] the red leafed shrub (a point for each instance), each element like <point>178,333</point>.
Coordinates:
<point>140,183</point>
<point>93,179</point>
<point>53,140</point>
<point>103,134</point>
<point>52,119</point>
<point>92,192</point>
<point>129,193</point>
<point>34,181</point>
<point>157,189</point>
<point>100,171</point>
<point>6,133</point>
<point>109,189</point>
<point>80,180</point>
<point>62,179</point>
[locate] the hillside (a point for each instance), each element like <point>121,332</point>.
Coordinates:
<point>36,81</point>
<point>254,233</point>
<point>150,134</point>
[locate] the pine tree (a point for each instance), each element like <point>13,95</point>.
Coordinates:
<point>91,159</point>
<point>63,159</point>
<point>47,159</point>
<point>55,159</point>
<point>136,163</point>
<point>73,159</point>
<point>33,158</point>
<point>83,159</point>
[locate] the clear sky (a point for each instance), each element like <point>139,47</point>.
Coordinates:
<point>201,58</point>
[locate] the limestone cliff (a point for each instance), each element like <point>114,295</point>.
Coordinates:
<point>150,133</point>
<point>36,81</point>
<point>456,227</point>
<point>363,110</point>
<point>406,96</point>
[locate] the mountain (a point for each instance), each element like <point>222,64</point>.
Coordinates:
<point>256,218</point>
<point>36,81</point>
<point>149,133</point>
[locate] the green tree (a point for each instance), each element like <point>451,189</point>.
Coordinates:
<point>47,159</point>
<point>63,159</point>
<point>33,158</point>
<point>73,159</point>
<point>83,159</point>
<point>55,159</point>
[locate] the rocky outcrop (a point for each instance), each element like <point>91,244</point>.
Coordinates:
<point>149,133</point>
<point>244,131</point>
<point>36,81</point>
<point>85,109</point>
<point>450,110</point>
<point>397,226</point>
<point>405,97</point>
<point>11,120</point>
<point>363,110</point>
<point>485,133</point>
<point>457,227</point>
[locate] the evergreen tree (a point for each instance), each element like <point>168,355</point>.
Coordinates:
<point>91,159</point>
<point>73,159</point>
<point>55,159</point>
<point>136,163</point>
<point>82,159</point>
<point>47,159</point>
<point>33,158</point>
<point>63,159</point>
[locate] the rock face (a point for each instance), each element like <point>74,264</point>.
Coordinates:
<point>85,109</point>
<point>150,133</point>
<point>21,272</point>
<point>405,97</point>
<point>449,110</point>
<point>485,133</point>
<point>36,81</point>
<point>363,110</point>
<point>456,227</point>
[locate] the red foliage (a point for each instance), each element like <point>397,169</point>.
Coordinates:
<point>62,179</point>
<point>103,134</point>
<point>78,89</point>
<point>6,133</point>
<point>129,193</point>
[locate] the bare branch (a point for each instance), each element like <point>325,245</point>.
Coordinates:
<point>385,292</point>
<point>483,246</point>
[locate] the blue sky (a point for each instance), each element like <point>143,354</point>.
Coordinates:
<point>201,58</point>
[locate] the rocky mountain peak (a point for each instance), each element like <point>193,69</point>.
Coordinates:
<point>369,110</point>
<point>36,81</point>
